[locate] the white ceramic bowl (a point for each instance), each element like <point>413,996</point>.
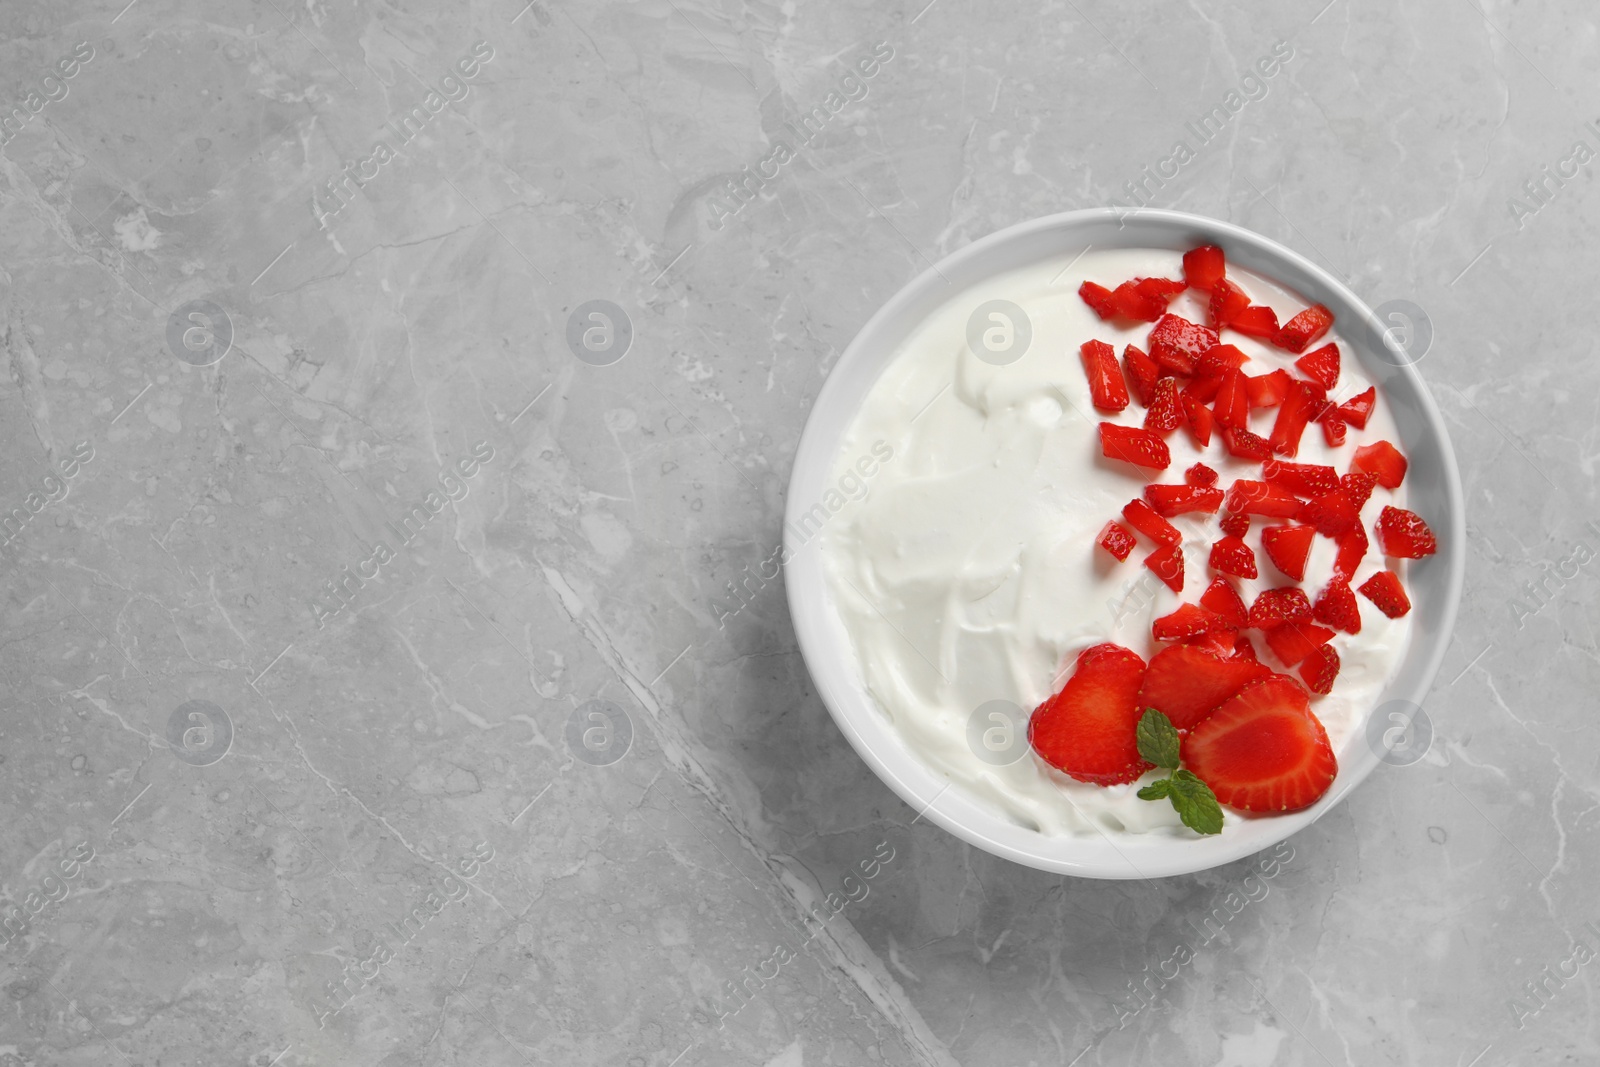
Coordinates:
<point>1433,486</point>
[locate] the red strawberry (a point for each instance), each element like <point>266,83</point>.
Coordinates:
<point>1235,524</point>
<point>1087,729</point>
<point>1162,289</point>
<point>1098,297</point>
<point>1187,621</point>
<point>1288,547</point>
<point>1304,328</point>
<point>1197,419</point>
<point>1132,445</point>
<point>1301,479</point>
<point>1204,267</point>
<point>1185,683</point>
<point>1320,668</point>
<point>1200,474</point>
<point>1232,407</point>
<point>1142,373</point>
<point>1357,485</point>
<point>1219,642</point>
<point>1332,514</point>
<point>1263,750</point>
<point>1170,500</point>
<point>1383,461</point>
<point>1227,301</point>
<point>1176,343</point>
<point>1253,321</point>
<point>1274,607</point>
<point>1304,402</point>
<point>1132,302</point>
<point>1383,589</point>
<point>1116,539</point>
<point>1165,414</point>
<point>1294,641</point>
<point>1139,515</point>
<point>1242,646</point>
<point>1106,387</point>
<point>1166,563</point>
<point>1358,409</point>
<point>1232,556</point>
<point>1336,607</point>
<point>1223,599</point>
<point>1260,498</point>
<point>1267,390</point>
<point>1352,547</point>
<point>1218,361</point>
<point>1246,445</point>
<point>1333,430</point>
<point>1321,366</point>
<point>1403,535</point>
<point>1203,389</point>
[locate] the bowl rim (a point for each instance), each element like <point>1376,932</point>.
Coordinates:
<point>838,682</point>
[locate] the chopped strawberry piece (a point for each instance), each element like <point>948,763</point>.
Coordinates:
<point>1383,589</point>
<point>1163,289</point>
<point>1267,390</point>
<point>1332,514</point>
<point>1403,535</point>
<point>1133,303</point>
<point>1232,556</point>
<point>1187,621</point>
<point>1186,683</point>
<point>1224,600</point>
<point>1294,641</point>
<point>1333,430</point>
<point>1204,267</point>
<point>1116,539</point>
<point>1099,299</point>
<point>1132,445</point>
<point>1321,366</point>
<point>1217,642</point>
<point>1288,547</point>
<point>1261,498</point>
<point>1165,414</point>
<point>1358,409</point>
<point>1197,419</point>
<point>1301,479</point>
<point>1320,668</point>
<point>1176,343</point>
<point>1170,500</point>
<point>1142,373</point>
<point>1227,301</point>
<point>1166,563</point>
<point>1139,515</point>
<point>1235,524</point>
<point>1218,361</point>
<point>1253,321</point>
<point>1357,485</point>
<point>1246,445</point>
<point>1304,328</point>
<point>1242,646</point>
<point>1304,403</point>
<point>1232,408</point>
<point>1203,390</point>
<point>1088,729</point>
<point>1106,387</point>
<point>1275,607</point>
<point>1383,461</point>
<point>1200,474</point>
<point>1263,750</point>
<point>1352,547</point>
<point>1336,607</point>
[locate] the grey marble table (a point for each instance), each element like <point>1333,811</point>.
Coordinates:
<point>375,686</point>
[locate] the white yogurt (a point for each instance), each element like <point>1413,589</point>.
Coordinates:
<point>968,572</point>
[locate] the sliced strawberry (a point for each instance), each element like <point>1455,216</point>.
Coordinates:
<point>1224,600</point>
<point>1200,474</point>
<point>1321,366</point>
<point>1217,642</point>
<point>1133,445</point>
<point>1204,267</point>
<point>1383,461</point>
<point>1218,361</point>
<point>1232,556</point>
<point>1134,303</point>
<point>1165,414</point>
<point>1403,535</point>
<point>1333,429</point>
<point>1336,607</point>
<point>1275,607</point>
<point>1088,729</point>
<point>1166,563</point>
<point>1304,328</point>
<point>1116,539</point>
<point>1332,513</point>
<point>1099,299</point>
<point>1186,683</point>
<point>1358,409</point>
<point>1301,479</point>
<point>1352,547</point>
<point>1246,445</point>
<point>1106,387</point>
<point>1320,668</point>
<point>1197,419</point>
<point>1139,515</point>
<point>1235,524</point>
<point>1227,301</point>
<point>1170,500</point>
<point>1383,589</point>
<point>1142,373</point>
<point>1244,647</point>
<point>1294,641</point>
<point>1263,750</point>
<point>1176,343</point>
<point>1267,390</point>
<point>1358,485</point>
<point>1187,621</point>
<point>1304,403</point>
<point>1232,407</point>
<point>1288,547</point>
<point>1261,498</point>
<point>1253,321</point>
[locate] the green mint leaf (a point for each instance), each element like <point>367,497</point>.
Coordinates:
<point>1156,790</point>
<point>1158,739</point>
<point>1195,803</point>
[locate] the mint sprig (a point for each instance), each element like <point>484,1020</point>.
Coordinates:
<point>1193,800</point>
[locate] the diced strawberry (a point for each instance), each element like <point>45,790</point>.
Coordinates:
<point>1165,414</point>
<point>1186,683</point>
<point>1224,600</point>
<point>1139,515</point>
<point>1142,373</point>
<point>1246,445</point>
<point>1352,548</point>
<point>1099,299</point>
<point>1332,513</point>
<point>1187,621</point>
<point>1116,539</point>
<point>1170,500</point>
<point>1288,547</point>
<point>1176,343</point>
<point>1197,419</point>
<point>1163,289</point>
<point>1304,328</point>
<point>1218,361</point>
<point>1260,498</point>
<point>1357,485</point>
<point>1274,607</point>
<point>1358,409</point>
<point>1260,322</point>
<point>1166,563</point>
<point>1232,556</point>
<point>1267,390</point>
<point>1336,607</point>
<point>1383,461</point>
<point>1088,729</point>
<point>1383,589</point>
<point>1403,535</point>
<point>1132,302</point>
<point>1204,267</point>
<point>1200,474</point>
<point>1235,524</point>
<point>1227,301</point>
<point>1232,407</point>
<point>1106,387</point>
<point>1133,445</point>
<point>1217,642</point>
<point>1294,641</point>
<point>1333,429</point>
<point>1203,389</point>
<point>1321,366</point>
<point>1304,402</point>
<point>1301,479</point>
<point>1320,668</point>
<point>1263,750</point>
<point>1244,647</point>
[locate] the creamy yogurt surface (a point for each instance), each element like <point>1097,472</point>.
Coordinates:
<point>967,573</point>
